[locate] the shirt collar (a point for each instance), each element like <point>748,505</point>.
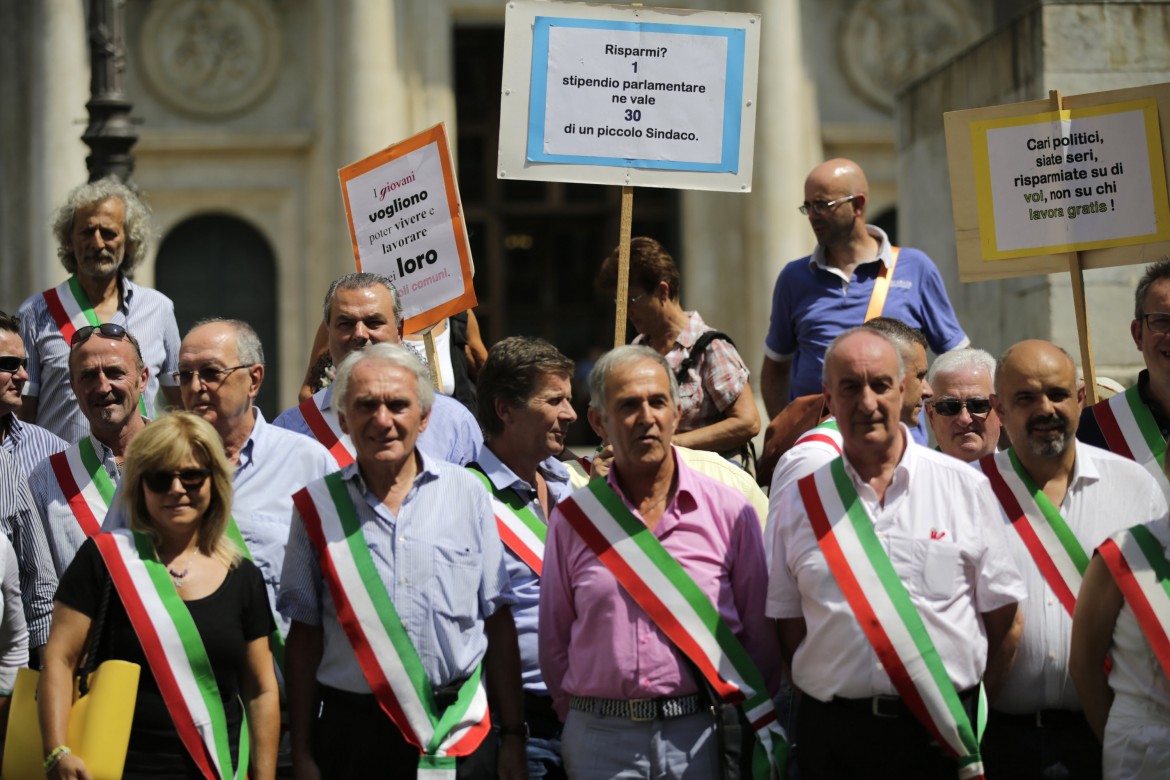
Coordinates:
<point>427,472</point>
<point>885,253</point>
<point>684,496</point>
<point>254,446</point>
<point>903,472</point>
<point>503,477</point>
<point>15,429</point>
<point>326,397</point>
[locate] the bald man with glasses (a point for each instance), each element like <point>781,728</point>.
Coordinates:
<point>853,275</point>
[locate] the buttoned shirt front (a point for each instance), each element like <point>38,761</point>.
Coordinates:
<point>63,532</point>
<point>19,522</point>
<point>147,314</point>
<point>440,559</point>
<point>525,583</point>
<point>1106,494</point>
<point>937,523</point>
<point>29,444</point>
<point>596,641</point>
<point>452,433</point>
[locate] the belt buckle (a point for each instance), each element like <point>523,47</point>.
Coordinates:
<point>638,706</point>
<point>876,708</point>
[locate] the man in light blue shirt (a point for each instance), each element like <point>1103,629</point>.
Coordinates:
<point>525,410</point>
<point>431,557</point>
<point>363,309</point>
<point>29,444</point>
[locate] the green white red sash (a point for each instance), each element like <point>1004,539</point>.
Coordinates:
<point>174,651</point>
<point>680,609</point>
<point>383,648</point>
<point>327,430</point>
<point>1130,430</point>
<point>70,307</point>
<point>1053,546</point>
<point>887,616</point>
<point>520,529</point>
<point>825,433</point>
<point>85,484</point>
<point>1139,567</point>
<point>276,640</point>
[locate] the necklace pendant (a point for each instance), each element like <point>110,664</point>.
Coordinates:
<point>178,576</point>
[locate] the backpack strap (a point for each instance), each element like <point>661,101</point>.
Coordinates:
<point>697,350</point>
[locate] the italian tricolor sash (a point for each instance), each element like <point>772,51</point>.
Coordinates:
<point>680,609</point>
<point>1142,573</point>
<point>383,648</point>
<point>520,529</point>
<point>174,651</point>
<point>883,608</point>
<point>326,430</point>
<point>1045,534</point>
<point>824,433</point>
<point>276,640</point>
<point>70,307</point>
<point>1131,431</point>
<point>86,486</point>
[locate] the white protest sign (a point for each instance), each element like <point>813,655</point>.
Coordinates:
<point>406,222</point>
<point>1069,180</point>
<point>628,95</point>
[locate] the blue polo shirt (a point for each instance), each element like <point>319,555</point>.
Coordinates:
<point>813,303</point>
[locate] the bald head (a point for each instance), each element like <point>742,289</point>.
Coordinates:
<point>1037,397</point>
<point>839,173</point>
<point>842,183</point>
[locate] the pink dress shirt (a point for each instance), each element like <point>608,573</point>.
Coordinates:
<point>596,641</point>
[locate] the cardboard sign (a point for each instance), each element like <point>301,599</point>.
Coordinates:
<point>1030,185</point>
<point>406,222</point>
<point>628,95</point>
<point>1070,180</point>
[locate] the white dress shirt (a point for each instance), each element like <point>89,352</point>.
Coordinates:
<point>807,454</point>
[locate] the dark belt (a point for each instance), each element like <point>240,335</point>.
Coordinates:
<point>883,706</point>
<point>1044,719</point>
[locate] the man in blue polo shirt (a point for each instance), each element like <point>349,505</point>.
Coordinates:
<point>820,296</point>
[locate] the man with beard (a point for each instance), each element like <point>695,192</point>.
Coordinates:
<point>362,309</point>
<point>102,233</point>
<point>964,424</point>
<point>852,275</point>
<point>1060,498</point>
<point>74,489</point>
<point>525,410</point>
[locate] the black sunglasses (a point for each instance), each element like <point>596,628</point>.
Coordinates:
<point>11,363</point>
<point>161,481</point>
<point>106,330</point>
<point>950,407</point>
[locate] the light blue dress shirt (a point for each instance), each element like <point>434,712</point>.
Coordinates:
<point>30,444</point>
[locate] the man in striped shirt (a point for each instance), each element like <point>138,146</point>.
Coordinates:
<point>29,444</point>
<point>18,521</point>
<point>102,233</point>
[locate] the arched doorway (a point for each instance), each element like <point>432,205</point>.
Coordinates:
<point>216,265</point>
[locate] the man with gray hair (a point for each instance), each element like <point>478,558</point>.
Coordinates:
<point>892,586</point>
<point>675,559</point>
<point>362,309</point>
<point>964,423</point>
<point>395,584</point>
<point>102,234</point>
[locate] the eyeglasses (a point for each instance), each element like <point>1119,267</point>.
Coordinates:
<point>10,364</point>
<point>161,481</point>
<point>208,375</point>
<point>107,330</point>
<point>949,407</point>
<point>1158,322</point>
<point>822,206</point>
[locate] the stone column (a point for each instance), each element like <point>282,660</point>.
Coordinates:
<point>59,82</point>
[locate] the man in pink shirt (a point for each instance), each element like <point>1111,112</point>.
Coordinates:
<point>616,676</point>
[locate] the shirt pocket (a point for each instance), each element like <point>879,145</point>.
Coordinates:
<point>456,583</point>
<point>940,568</point>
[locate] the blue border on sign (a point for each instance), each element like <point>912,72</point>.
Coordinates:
<point>732,96</point>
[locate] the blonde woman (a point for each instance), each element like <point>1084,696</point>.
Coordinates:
<point>184,605</point>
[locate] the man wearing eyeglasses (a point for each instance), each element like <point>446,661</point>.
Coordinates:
<point>852,275</point>
<point>1059,499</point>
<point>964,424</point>
<point>362,309</point>
<point>1135,424</point>
<point>102,233</point>
<point>27,443</point>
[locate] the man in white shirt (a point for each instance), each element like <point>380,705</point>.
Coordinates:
<point>896,536</point>
<point>964,424</point>
<point>1059,499</point>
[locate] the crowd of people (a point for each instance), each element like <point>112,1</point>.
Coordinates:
<point>393,579</point>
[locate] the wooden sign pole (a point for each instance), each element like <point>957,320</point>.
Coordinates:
<point>432,359</point>
<point>623,274</point>
<point>1077,277</point>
